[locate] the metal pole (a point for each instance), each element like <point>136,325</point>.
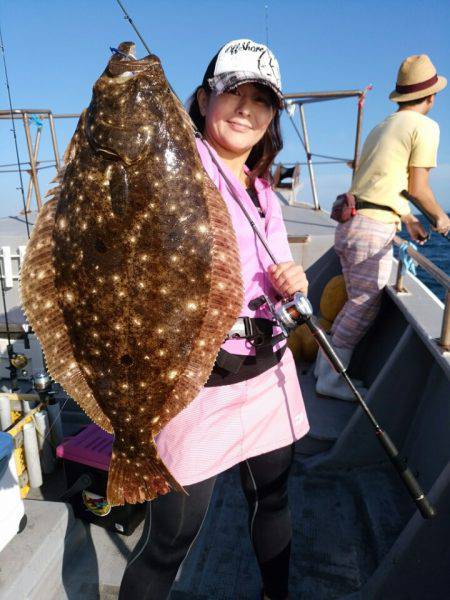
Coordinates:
<point>308,158</point>
<point>322,95</point>
<point>358,134</point>
<point>42,112</point>
<point>445,333</point>
<point>399,287</point>
<point>35,155</point>
<point>32,162</point>
<point>55,143</point>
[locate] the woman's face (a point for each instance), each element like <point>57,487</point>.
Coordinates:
<point>236,120</point>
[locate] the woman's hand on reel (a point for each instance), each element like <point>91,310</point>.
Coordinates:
<point>288,278</point>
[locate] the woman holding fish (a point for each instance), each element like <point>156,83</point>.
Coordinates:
<point>250,411</point>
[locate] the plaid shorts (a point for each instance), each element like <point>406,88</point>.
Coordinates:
<point>364,247</point>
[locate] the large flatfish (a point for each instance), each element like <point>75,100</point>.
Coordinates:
<point>132,275</point>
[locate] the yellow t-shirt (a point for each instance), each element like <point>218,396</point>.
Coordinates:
<point>404,139</point>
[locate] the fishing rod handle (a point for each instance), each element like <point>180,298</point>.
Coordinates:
<point>325,345</point>
<point>412,485</point>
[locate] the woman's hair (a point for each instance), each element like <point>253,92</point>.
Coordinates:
<point>264,152</point>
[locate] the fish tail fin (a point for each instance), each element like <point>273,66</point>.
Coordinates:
<point>138,477</point>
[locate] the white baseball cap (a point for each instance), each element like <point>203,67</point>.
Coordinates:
<point>244,61</point>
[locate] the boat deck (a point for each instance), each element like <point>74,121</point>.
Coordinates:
<point>356,531</point>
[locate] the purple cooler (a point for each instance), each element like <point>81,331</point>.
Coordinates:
<point>86,460</point>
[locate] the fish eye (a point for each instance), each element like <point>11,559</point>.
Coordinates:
<point>126,360</point>
<point>100,246</point>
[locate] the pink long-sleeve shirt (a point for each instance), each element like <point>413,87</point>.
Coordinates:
<point>254,258</point>
<point>225,425</point>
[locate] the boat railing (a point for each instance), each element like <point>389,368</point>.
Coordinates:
<point>299,100</point>
<point>439,275</point>
<point>28,116</point>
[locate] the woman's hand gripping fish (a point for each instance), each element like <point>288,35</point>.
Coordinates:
<point>132,274</point>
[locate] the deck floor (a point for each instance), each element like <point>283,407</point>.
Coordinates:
<point>338,536</point>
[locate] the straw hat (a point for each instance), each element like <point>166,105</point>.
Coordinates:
<point>417,78</point>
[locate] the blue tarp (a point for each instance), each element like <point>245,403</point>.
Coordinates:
<point>6,448</point>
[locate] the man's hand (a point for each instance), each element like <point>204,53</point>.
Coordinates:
<point>288,278</point>
<point>419,188</point>
<point>415,229</point>
<point>442,224</point>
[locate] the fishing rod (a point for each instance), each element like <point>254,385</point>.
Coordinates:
<point>14,132</point>
<point>425,213</point>
<point>297,310</point>
<point>14,359</point>
<point>11,354</point>
<point>18,361</point>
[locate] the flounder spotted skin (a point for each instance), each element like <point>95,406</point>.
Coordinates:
<point>132,273</point>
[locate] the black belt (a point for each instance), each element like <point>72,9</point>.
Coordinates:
<point>233,368</point>
<point>360,204</point>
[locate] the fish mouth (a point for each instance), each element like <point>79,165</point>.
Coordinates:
<point>124,65</point>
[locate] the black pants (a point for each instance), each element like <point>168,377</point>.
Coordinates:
<point>173,522</point>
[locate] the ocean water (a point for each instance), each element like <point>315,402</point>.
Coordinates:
<point>436,249</point>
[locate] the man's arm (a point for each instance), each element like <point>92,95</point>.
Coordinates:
<point>419,187</point>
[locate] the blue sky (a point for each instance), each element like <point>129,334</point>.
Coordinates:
<point>55,50</point>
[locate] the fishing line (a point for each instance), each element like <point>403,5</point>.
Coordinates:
<point>266,11</point>
<point>129,19</point>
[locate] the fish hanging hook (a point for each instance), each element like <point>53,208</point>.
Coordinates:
<point>120,53</point>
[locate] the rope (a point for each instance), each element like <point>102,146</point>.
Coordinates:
<point>337,159</point>
<point>290,110</point>
<point>37,121</point>
<point>296,128</point>
<point>407,261</point>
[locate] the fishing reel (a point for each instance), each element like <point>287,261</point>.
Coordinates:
<point>288,313</point>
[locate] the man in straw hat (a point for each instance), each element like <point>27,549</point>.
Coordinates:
<point>397,155</point>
